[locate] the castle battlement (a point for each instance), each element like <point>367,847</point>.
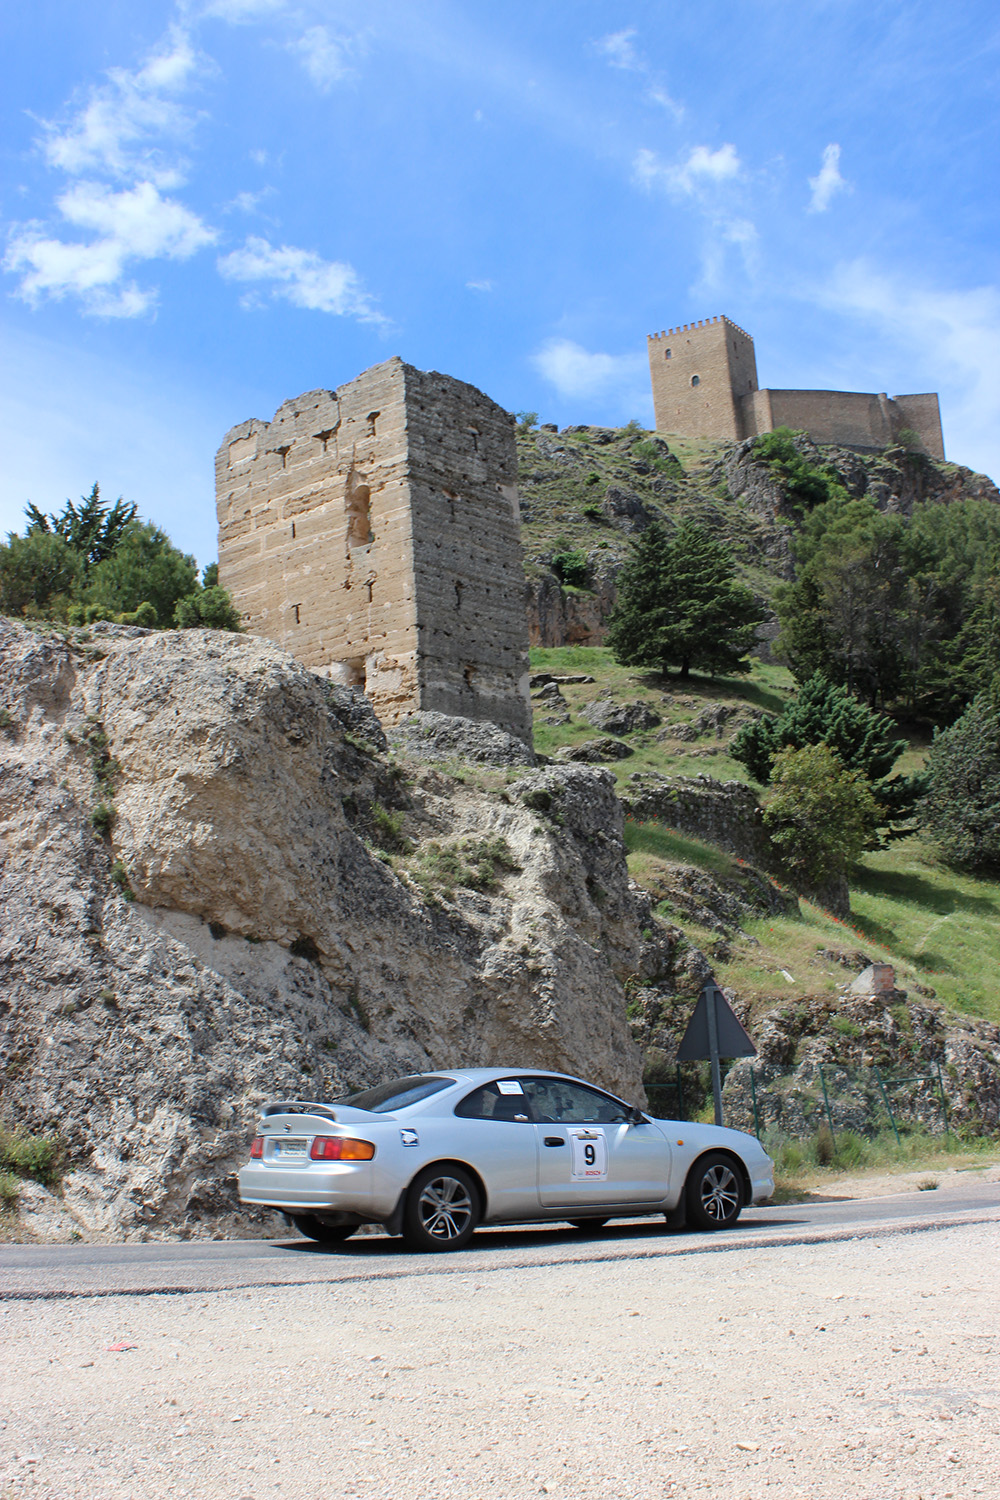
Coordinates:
<point>704,377</point>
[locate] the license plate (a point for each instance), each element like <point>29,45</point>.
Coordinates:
<point>290,1145</point>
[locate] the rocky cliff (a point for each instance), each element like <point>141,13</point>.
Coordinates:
<point>216,888</point>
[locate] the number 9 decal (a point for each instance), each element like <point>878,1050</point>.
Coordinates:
<point>589,1155</point>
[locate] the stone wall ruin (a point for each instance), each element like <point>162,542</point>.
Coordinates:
<point>373,531</point>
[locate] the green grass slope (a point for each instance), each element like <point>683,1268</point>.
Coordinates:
<point>937,926</point>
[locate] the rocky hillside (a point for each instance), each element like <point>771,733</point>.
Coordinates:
<point>218,886</point>
<point>586,491</point>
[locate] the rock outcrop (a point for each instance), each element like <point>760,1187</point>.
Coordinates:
<point>203,908</point>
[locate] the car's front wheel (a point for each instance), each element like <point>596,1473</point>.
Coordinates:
<point>323,1234</point>
<point>714,1192</point>
<point>442,1209</point>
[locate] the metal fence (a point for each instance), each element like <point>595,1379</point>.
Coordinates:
<point>762,1098</point>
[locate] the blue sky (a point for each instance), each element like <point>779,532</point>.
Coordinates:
<point>211,205</point>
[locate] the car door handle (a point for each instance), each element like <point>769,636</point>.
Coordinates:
<point>554,1140</point>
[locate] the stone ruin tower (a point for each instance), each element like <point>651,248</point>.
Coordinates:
<point>373,531</point>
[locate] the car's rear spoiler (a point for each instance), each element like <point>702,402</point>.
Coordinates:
<point>297,1107</point>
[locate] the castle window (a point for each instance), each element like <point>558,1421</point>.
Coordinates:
<point>297,619</point>
<point>696,380</point>
<point>371,419</point>
<point>667,354</point>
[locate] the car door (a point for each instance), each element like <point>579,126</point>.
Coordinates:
<point>498,1139</point>
<point>590,1154</point>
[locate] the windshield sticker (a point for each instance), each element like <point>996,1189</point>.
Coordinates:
<point>589,1155</point>
<point>510,1086</point>
<point>409,1138</point>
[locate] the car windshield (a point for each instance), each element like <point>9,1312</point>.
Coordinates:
<point>386,1097</point>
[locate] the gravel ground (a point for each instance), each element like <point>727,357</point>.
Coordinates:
<point>861,1370</point>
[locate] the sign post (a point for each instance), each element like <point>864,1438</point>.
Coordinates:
<point>714,1032</point>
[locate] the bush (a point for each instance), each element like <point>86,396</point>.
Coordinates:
<point>571,569</point>
<point>961,811</point>
<point>209,608</point>
<point>36,1156</point>
<point>819,814</point>
<point>804,483</point>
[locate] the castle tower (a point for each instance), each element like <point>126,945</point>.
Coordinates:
<point>373,531</point>
<point>701,373</point>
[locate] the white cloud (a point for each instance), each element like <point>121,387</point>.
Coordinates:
<point>134,224</point>
<point>577,373</point>
<point>618,49</point>
<point>828,182</point>
<point>480,286</point>
<point>238,12</point>
<point>938,337</point>
<point>323,55</point>
<point>114,131</point>
<point>701,168</point>
<point>303,278</point>
<point>658,95</point>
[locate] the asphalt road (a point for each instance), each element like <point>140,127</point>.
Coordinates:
<point>29,1271</point>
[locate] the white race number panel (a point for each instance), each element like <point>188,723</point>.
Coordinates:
<point>589,1160</point>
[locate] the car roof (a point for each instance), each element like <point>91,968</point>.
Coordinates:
<point>488,1075</point>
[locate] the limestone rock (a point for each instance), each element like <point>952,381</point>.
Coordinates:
<point>267,949</point>
<point>593,752</point>
<point>434,736</point>
<point>620,718</point>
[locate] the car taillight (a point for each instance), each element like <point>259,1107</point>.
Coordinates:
<point>340,1148</point>
<point>257,1149</point>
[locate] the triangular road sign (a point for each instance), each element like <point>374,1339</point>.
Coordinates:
<point>732,1039</point>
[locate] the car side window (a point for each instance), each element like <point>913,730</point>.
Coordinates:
<point>495,1101</point>
<point>555,1101</point>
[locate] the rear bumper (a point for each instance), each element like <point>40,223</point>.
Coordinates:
<point>339,1187</point>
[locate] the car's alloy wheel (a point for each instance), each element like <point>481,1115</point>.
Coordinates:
<point>323,1234</point>
<point>714,1193</point>
<point>442,1210</point>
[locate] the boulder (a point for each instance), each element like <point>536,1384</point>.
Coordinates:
<point>428,735</point>
<point>620,718</point>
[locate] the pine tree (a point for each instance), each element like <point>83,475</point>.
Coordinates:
<point>962,809</point>
<point>680,604</point>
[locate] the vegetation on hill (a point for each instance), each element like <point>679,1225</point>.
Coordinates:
<point>93,561</point>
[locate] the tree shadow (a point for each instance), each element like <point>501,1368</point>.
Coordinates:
<point>904,885</point>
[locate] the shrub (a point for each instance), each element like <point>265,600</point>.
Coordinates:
<point>819,814</point>
<point>36,1156</point>
<point>571,569</point>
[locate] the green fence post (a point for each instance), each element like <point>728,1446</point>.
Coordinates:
<point>753,1096</point>
<point>826,1101</point>
<point>944,1098</point>
<point>888,1107</point>
<point>680,1093</point>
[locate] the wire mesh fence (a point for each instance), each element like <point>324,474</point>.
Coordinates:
<point>768,1099</point>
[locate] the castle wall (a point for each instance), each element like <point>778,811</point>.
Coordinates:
<point>700,373</point>
<point>854,419</point>
<point>333,517</point>
<point>704,378</point>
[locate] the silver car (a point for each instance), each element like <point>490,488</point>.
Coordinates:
<point>431,1157</point>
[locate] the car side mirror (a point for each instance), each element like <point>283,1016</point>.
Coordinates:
<point>636,1116</point>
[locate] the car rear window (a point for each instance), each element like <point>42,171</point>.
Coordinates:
<point>386,1097</point>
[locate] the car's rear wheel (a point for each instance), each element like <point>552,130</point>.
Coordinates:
<point>323,1234</point>
<point>714,1192</point>
<point>442,1209</point>
<point>588,1223</point>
